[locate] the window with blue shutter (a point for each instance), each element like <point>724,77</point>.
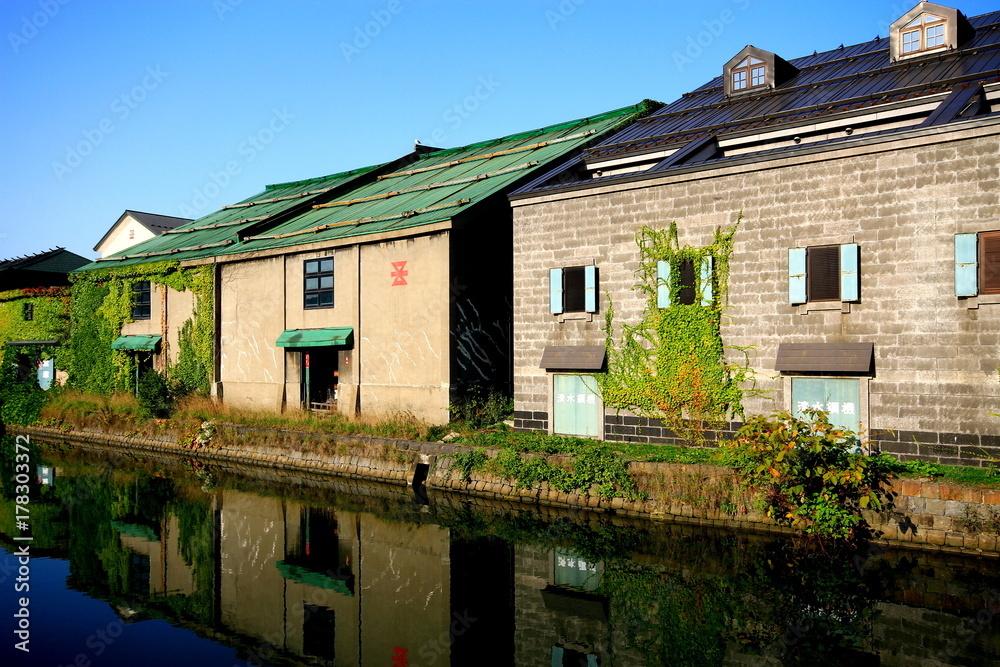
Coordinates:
<point>824,273</point>
<point>694,286</point>
<point>573,289</point>
<point>977,263</point>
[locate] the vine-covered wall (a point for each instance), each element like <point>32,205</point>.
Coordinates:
<point>50,319</point>
<point>102,304</point>
<point>671,365</point>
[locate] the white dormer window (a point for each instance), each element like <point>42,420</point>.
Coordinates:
<point>924,33</point>
<point>749,73</point>
<point>928,28</point>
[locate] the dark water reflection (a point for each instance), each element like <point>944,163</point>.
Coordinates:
<point>147,561</point>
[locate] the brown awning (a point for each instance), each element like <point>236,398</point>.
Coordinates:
<point>826,358</point>
<point>573,358</point>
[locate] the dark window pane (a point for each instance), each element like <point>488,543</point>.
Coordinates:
<point>326,266</point>
<point>989,263</point>
<point>29,312</point>
<point>312,300</point>
<point>685,294</point>
<point>326,298</point>
<point>823,273</point>
<point>574,285</point>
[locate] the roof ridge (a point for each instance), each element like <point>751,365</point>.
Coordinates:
<point>306,181</point>
<point>623,111</point>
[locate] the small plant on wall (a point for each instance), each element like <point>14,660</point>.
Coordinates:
<point>671,365</point>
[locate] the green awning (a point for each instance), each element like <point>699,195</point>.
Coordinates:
<point>340,583</point>
<point>136,342</point>
<point>337,336</point>
<point>135,530</point>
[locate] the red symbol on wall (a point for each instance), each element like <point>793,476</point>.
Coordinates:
<point>399,275</point>
<point>400,656</point>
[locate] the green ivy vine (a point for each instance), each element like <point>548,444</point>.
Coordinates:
<point>671,365</point>
<point>102,304</point>
<point>49,308</point>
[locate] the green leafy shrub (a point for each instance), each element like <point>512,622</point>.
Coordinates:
<point>153,395</point>
<point>21,399</point>
<point>811,474</point>
<point>481,407</point>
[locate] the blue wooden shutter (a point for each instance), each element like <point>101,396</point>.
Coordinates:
<point>707,264</point>
<point>849,260</point>
<point>662,284</point>
<point>966,264</point>
<point>796,275</point>
<point>590,289</point>
<point>556,291</point>
<point>557,656</point>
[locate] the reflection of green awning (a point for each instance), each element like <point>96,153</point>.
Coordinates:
<point>135,530</point>
<point>136,342</point>
<point>302,575</point>
<point>336,336</point>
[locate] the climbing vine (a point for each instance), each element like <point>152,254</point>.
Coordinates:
<point>672,365</point>
<point>48,310</point>
<point>102,304</point>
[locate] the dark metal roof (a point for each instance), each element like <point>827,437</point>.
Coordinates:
<point>857,358</point>
<point>849,78</point>
<point>56,260</point>
<point>157,224</point>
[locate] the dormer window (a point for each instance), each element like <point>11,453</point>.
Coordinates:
<point>925,33</point>
<point>750,70</point>
<point>928,28</point>
<point>753,70</point>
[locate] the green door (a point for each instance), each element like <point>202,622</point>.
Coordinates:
<point>576,409</point>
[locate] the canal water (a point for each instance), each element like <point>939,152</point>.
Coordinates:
<point>157,561</point>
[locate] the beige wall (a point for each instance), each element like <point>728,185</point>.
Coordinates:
<point>119,239</point>
<point>902,201</point>
<point>400,357</point>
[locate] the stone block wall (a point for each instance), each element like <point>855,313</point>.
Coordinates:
<point>902,201</point>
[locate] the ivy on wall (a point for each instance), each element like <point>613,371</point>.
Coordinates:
<point>102,304</point>
<point>49,308</point>
<point>671,365</point>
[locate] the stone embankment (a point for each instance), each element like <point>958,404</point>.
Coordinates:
<point>927,515</point>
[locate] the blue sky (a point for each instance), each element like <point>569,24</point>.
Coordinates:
<point>182,107</point>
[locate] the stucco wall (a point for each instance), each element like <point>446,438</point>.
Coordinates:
<point>400,358</point>
<point>178,307</point>
<point>935,354</point>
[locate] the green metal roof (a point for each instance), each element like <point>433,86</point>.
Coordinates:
<point>212,234</point>
<point>340,336</point>
<point>136,342</point>
<point>435,188</point>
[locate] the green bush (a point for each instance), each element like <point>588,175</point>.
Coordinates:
<point>480,407</point>
<point>811,474</point>
<point>21,399</point>
<point>153,395</point>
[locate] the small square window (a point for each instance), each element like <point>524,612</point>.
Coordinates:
<point>739,80</point>
<point>318,283</point>
<point>141,300</point>
<point>28,312</point>
<point>911,41</point>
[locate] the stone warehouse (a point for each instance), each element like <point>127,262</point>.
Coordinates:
<point>382,290</point>
<point>863,275</point>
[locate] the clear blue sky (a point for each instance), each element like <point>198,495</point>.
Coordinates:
<point>180,107</point>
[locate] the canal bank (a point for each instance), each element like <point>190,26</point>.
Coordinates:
<point>927,515</point>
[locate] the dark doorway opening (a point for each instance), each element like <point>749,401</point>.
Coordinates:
<point>320,376</point>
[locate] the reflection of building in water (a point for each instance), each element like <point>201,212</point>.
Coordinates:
<point>156,566</point>
<point>347,588</point>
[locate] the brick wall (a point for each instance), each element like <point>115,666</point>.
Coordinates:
<point>936,355</point>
